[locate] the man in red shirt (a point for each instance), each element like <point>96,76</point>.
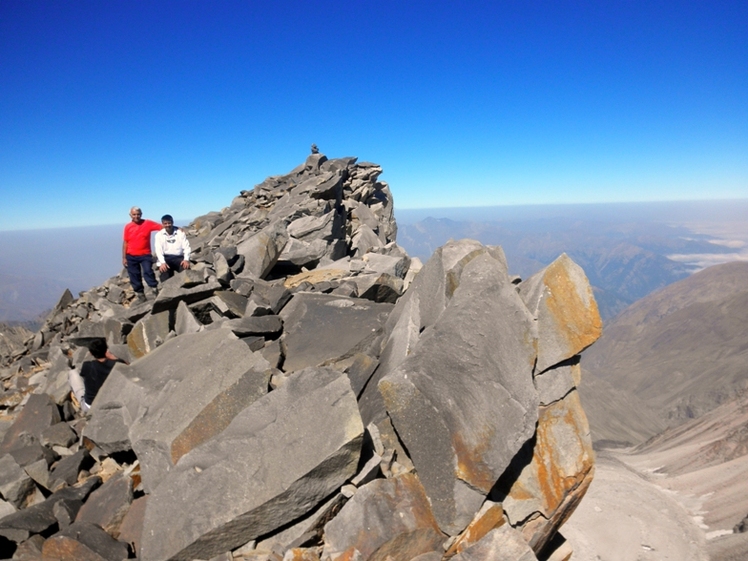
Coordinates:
<point>136,252</point>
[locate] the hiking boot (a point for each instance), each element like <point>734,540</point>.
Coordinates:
<point>140,297</point>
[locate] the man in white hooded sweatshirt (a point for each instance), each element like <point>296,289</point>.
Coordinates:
<point>172,249</point>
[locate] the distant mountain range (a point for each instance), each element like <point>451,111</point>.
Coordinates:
<point>670,357</point>
<point>627,250</point>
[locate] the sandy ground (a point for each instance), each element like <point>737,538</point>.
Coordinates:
<point>634,513</point>
<point>625,517</point>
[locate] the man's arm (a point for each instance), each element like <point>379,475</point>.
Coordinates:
<point>159,243</point>
<point>124,253</point>
<point>187,250</point>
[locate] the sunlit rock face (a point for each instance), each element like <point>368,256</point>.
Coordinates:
<point>307,391</point>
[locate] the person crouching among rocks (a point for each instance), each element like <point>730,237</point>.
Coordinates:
<point>93,373</point>
<point>172,249</point>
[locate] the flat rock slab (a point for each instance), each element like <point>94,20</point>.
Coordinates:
<point>83,542</point>
<point>319,327</point>
<point>108,504</point>
<point>560,297</point>
<point>172,294</point>
<point>39,413</point>
<point>463,401</point>
<point>40,517</point>
<point>177,397</point>
<point>275,462</point>
<point>15,483</point>
<point>385,517</point>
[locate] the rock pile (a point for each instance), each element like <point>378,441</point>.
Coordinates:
<point>306,391</point>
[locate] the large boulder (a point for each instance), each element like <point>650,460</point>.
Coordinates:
<point>463,401</point>
<point>560,297</point>
<point>275,462</point>
<point>177,397</point>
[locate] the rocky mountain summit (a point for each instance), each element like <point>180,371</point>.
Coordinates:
<point>306,391</point>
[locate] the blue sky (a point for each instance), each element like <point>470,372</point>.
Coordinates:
<point>177,106</point>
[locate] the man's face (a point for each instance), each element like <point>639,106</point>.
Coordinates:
<point>168,225</point>
<point>135,215</point>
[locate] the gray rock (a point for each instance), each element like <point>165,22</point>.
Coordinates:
<point>393,265</point>
<point>262,250</point>
<point>177,397</point>
<point>384,517</point>
<point>364,240</point>
<point>15,483</point>
<point>65,512</point>
<point>29,450</point>
<point>196,511</point>
<point>185,322</point>
<point>463,401</point>
<point>500,544</point>
<point>319,327</point>
<point>65,471</point>
<point>235,304</point>
<point>261,325</point>
<point>59,435</point>
<point>223,271</point>
<point>379,287</point>
<point>148,334</point>
<point>39,413</point>
<point>40,517</point>
<point>172,294</point>
<point>108,505</point>
<point>556,382</point>
<point>84,541</point>
<point>560,297</point>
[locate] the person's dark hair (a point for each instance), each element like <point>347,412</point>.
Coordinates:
<point>167,217</point>
<point>98,348</point>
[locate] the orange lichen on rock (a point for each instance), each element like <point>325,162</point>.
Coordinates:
<point>489,517</point>
<point>561,469</point>
<point>571,304</point>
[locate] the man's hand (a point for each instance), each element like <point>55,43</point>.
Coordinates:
<point>124,261</point>
<point>185,264</point>
<point>163,268</point>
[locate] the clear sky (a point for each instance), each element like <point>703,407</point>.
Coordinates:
<point>177,106</point>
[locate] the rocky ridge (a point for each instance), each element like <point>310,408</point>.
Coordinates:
<point>306,391</point>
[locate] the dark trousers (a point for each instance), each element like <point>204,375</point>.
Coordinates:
<point>136,263</point>
<point>174,262</point>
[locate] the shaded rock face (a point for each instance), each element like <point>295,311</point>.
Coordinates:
<point>305,391</point>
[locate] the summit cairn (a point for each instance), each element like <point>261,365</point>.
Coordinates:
<point>306,391</point>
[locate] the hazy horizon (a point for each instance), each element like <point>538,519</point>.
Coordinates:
<point>37,265</point>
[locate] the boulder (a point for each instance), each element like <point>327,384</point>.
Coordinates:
<point>287,452</point>
<point>39,413</point>
<point>148,334</point>
<point>83,541</point>
<point>177,397</point>
<point>262,250</point>
<point>319,327</point>
<point>560,297</point>
<point>386,517</point>
<point>108,505</point>
<point>15,483</point>
<point>463,401</point>
<point>548,489</point>
<point>501,543</point>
